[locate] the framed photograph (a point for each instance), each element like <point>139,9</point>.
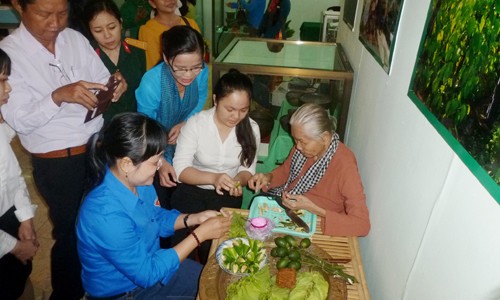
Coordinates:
<point>456,82</point>
<point>350,7</point>
<point>377,31</point>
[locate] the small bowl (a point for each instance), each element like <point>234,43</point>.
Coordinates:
<point>259,228</point>
<point>229,244</point>
<point>259,222</point>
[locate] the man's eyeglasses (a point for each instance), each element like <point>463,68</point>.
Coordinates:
<point>65,79</point>
<point>184,71</point>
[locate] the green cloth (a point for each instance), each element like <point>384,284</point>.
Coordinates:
<point>134,14</point>
<point>132,66</point>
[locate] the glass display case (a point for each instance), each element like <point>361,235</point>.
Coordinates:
<point>226,26</point>
<point>286,74</point>
<point>279,67</point>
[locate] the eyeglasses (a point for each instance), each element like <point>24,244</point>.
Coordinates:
<point>65,79</point>
<point>183,71</point>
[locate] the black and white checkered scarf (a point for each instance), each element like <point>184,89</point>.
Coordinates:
<point>312,176</point>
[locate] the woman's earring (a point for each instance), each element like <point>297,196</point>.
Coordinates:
<point>126,175</point>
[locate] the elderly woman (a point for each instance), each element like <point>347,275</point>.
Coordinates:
<point>320,175</point>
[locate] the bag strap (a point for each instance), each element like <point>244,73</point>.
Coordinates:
<point>186,21</point>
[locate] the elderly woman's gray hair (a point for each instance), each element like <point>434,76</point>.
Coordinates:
<point>313,119</point>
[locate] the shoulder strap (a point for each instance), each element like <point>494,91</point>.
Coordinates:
<point>186,21</point>
<point>136,43</point>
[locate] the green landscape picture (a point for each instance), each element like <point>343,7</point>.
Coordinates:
<point>457,75</point>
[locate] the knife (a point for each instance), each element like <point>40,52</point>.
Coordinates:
<point>291,214</point>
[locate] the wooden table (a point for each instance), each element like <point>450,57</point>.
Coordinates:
<point>336,247</point>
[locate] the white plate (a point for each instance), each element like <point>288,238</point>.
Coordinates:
<point>229,244</point>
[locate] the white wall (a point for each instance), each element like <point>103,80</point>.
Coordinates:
<point>307,11</point>
<point>435,229</point>
<point>301,11</point>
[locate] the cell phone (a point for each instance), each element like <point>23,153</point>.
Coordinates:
<point>103,99</point>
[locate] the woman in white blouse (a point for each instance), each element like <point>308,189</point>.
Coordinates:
<point>18,241</point>
<point>217,152</point>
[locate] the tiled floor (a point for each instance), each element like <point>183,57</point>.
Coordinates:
<point>40,276</point>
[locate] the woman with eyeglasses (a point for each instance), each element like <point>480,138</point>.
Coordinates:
<point>120,221</point>
<point>173,91</point>
<point>217,153</point>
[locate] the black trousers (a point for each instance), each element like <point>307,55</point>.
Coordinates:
<point>192,199</point>
<point>60,181</point>
<point>13,273</point>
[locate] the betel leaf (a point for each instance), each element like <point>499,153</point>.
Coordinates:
<point>237,228</point>
<point>310,285</point>
<point>250,287</point>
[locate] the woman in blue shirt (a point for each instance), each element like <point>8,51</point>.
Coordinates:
<point>120,220</point>
<point>173,91</point>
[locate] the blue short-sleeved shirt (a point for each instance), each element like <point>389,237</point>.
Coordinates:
<point>118,239</point>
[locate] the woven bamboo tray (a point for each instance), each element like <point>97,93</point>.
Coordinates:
<point>336,247</point>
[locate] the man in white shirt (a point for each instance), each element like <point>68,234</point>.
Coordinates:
<point>54,75</point>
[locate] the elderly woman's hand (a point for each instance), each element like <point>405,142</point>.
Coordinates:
<point>296,202</point>
<point>259,180</point>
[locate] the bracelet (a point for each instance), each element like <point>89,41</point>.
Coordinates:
<point>186,221</point>
<point>196,238</point>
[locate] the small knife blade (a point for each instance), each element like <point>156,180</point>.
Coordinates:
<point>291,214</point>
<point>297,220</point>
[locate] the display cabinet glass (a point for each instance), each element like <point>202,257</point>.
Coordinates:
<point>226,26</point>
<point>280,69</point>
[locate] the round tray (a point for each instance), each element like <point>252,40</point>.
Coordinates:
<point>214,281</point>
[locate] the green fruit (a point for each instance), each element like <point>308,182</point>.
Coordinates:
<point>282,263</point>
<point>291,240</point>
<point>282,252</point>
<point>274,252</point>
<point>294,255</point>
<point>294,264</point>
<point>280,241</point>
<point>305,243</point>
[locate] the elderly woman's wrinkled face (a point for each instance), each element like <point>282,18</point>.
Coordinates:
<point>310,147</point>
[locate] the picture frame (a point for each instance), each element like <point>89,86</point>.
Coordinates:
<point>378,29</point>
<point>350,7</point>
<point>456,83</point>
